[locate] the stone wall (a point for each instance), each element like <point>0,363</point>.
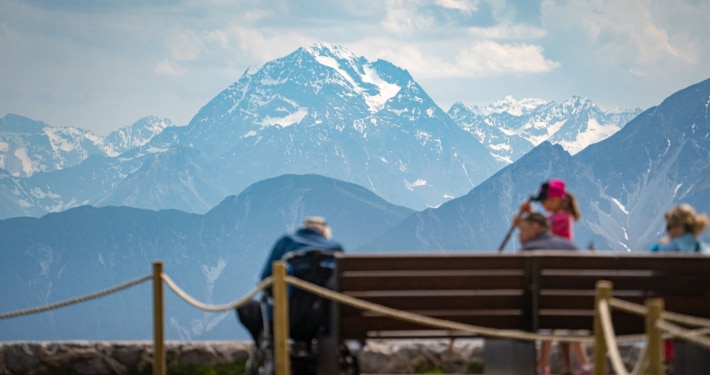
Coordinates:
<point>378,357</point>
<point>112,357</point>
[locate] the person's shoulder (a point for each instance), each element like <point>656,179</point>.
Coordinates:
<point>703,248</point>
<point>286,238</point>
<point>686,243</point>
<point>332,245</point>
<point>561,243</point>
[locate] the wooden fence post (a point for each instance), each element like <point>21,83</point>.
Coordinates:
<point>282,359</point>
<point>654,339</point>
<point>603,292</point>
<point>158,321</point>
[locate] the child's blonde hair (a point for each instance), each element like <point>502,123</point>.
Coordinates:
<point>684,214</point>
<point>569,204</point>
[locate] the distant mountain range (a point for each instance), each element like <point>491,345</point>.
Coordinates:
<point>215,257</point>
<point>321,110</point>
<point>28,146</point>
<point>511,128</point>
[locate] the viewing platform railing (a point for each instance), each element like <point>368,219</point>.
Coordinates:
<point>659,324</point>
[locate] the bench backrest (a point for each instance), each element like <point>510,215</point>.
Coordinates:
<point>526,291</point>
<point>565,286</point>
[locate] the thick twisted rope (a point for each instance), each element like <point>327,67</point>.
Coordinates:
<point>76,300</point>
<point>642,362</point>
<point>217,308</point>
<point>637,309</point>
<point>699,332</point>
<point>687,320</point>
<point>627,306</point>
<point>609,338</point>
<point>683,333</point>
<point>429,321</point>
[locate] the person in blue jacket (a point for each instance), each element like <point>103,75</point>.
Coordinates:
<point>684,227</point>
<point>313,234</point>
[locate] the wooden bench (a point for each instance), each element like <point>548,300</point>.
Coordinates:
<point>525,291</point>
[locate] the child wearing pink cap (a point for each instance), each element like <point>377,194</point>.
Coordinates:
<point>560,204</point>
<point>563,213</point>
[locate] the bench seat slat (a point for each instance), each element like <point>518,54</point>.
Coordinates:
<point>448,302</point>
<point>679,285</point>
<point>672,264</point>
<point>411,262</point>
<point>441,281</point>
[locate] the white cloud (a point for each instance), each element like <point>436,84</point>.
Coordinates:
<point>185,45</point>
<point>508,31</point>
<point>480,59</point>
<point>167,68</point>
<point>490,58</point>
<point>403,19</point>
<point>640,34</point>
<point>465,6</point>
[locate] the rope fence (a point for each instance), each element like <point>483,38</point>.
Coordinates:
<point>684,334</point>
<point>667,322</point>
<point>217,308</point>
<point>73,301</point>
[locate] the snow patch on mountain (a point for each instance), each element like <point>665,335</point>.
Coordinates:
<point>620,205</point>
<point>58,143</point>
<point>288,120</point>
<point>593,133</point>
<point>510,105</point>
<point>28,166</point>
<point>385,90</point>
<point>418,182</point>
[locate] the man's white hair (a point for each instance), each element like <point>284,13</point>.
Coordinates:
<point>317,223</point>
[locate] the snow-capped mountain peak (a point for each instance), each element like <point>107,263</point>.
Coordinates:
<point>323,49</point>
<point>510,105</point>
<point>357,72</point>
<point>510,128</point>
<point>324,103</point>
<point>137,134</point>
<point>28,146</point>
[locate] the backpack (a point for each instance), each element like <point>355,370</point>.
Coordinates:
<point>309,313</point>
<point>250,316</point>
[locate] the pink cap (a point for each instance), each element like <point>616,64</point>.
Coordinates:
<point>554,188</point>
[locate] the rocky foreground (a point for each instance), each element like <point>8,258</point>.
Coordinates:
<point>378,357</point>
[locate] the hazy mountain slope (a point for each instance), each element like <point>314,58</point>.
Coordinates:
<point>215,257</point>
<point>659,159</point>
<point>479,220</point>
<point>623,184</point>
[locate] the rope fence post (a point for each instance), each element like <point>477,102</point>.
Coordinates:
<point>603,288</point>
<point>281,327</point>
<point>654,340</point>
<point>158,323</point>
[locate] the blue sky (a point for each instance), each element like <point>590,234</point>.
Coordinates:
<point>103,64</point>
